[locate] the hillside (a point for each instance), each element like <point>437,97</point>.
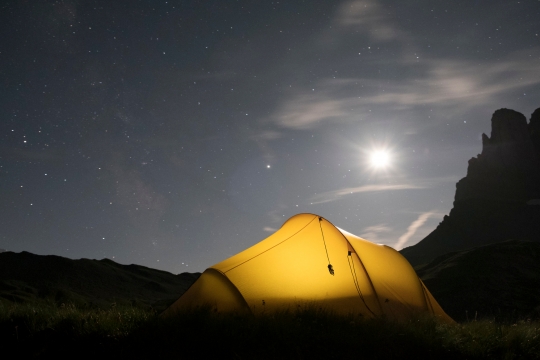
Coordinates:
<point>26,277</point>
<point>500,281</point>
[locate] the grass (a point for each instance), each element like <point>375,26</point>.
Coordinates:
<point>46,330</point>
<point>49,331</point>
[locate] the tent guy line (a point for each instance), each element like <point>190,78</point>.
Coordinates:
<point>330,267</point>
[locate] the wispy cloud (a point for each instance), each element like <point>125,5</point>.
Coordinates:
<point>269,229</point>
<point>266,135</point>
<point>276,216</point>
<point>338,194</point>
<point>453,85</point>
<point>373,233</point>
<point>308,110</point>
<point>411,230</point>
<point>443,84</point>
<point>451,82</point>
<point>369,17</point>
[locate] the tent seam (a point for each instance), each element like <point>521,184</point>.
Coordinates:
<point>355,280</point>
<point>233,285</point>
<point>242,263</point>
<point>429,305</point>
<point>367,274</point>
<point>363,267</point>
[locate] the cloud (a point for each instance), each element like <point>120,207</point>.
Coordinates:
<point>269,229</point>
<point>453,82</point>
<point>367,16</point>
<point>448,84</point>
<point>266,135</point>
<point>372,233</point>
<point>338,194</point>
<point>276,216</point>
<point>411,230</point>
<point>380,228</point>
<point>262,139</point>
<point>330,101</point>
<point>454,85</point>
<point>307,110</point>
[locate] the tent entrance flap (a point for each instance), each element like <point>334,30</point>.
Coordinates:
<point>212,289</point>
<point>352,268</point>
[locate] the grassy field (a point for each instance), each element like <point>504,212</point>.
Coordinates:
<point>46,330</point>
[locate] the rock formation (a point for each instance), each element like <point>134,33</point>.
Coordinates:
<point>498,199</point>
<point>508,167</point>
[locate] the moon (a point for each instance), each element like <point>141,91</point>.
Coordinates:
<point>379,159</point>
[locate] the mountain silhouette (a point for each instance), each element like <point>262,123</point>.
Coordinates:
<point>26,277</point>
<point>499,199</point>
<point>499,281</point>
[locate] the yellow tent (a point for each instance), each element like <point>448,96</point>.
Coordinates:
<point>309,261</point>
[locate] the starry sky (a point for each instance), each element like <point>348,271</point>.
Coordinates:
<point>174,134</point>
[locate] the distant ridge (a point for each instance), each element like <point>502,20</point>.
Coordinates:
<point>499,199</point>
<point>26,277</point>
<point>498,281</point>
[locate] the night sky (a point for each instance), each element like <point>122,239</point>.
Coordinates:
<point>174,134</point>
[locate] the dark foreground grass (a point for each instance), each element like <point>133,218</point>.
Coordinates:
<point>49,331</point>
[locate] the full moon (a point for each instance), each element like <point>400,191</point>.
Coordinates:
<point>379,159</point>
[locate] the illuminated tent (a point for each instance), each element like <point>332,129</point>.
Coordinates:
<point>310,262</point>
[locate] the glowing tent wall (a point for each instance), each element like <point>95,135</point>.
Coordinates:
<point>291,268</point>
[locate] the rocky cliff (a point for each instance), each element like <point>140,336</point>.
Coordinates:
<point>508,167</point>
<point>499,199</point>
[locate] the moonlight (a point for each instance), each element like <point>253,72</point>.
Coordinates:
<point>379,159</point>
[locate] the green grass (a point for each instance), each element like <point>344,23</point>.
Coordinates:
<point>49,331</point>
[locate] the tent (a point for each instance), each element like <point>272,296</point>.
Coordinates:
<point>310,262</point>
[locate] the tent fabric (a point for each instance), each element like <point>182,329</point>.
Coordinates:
<point>310,262</point>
